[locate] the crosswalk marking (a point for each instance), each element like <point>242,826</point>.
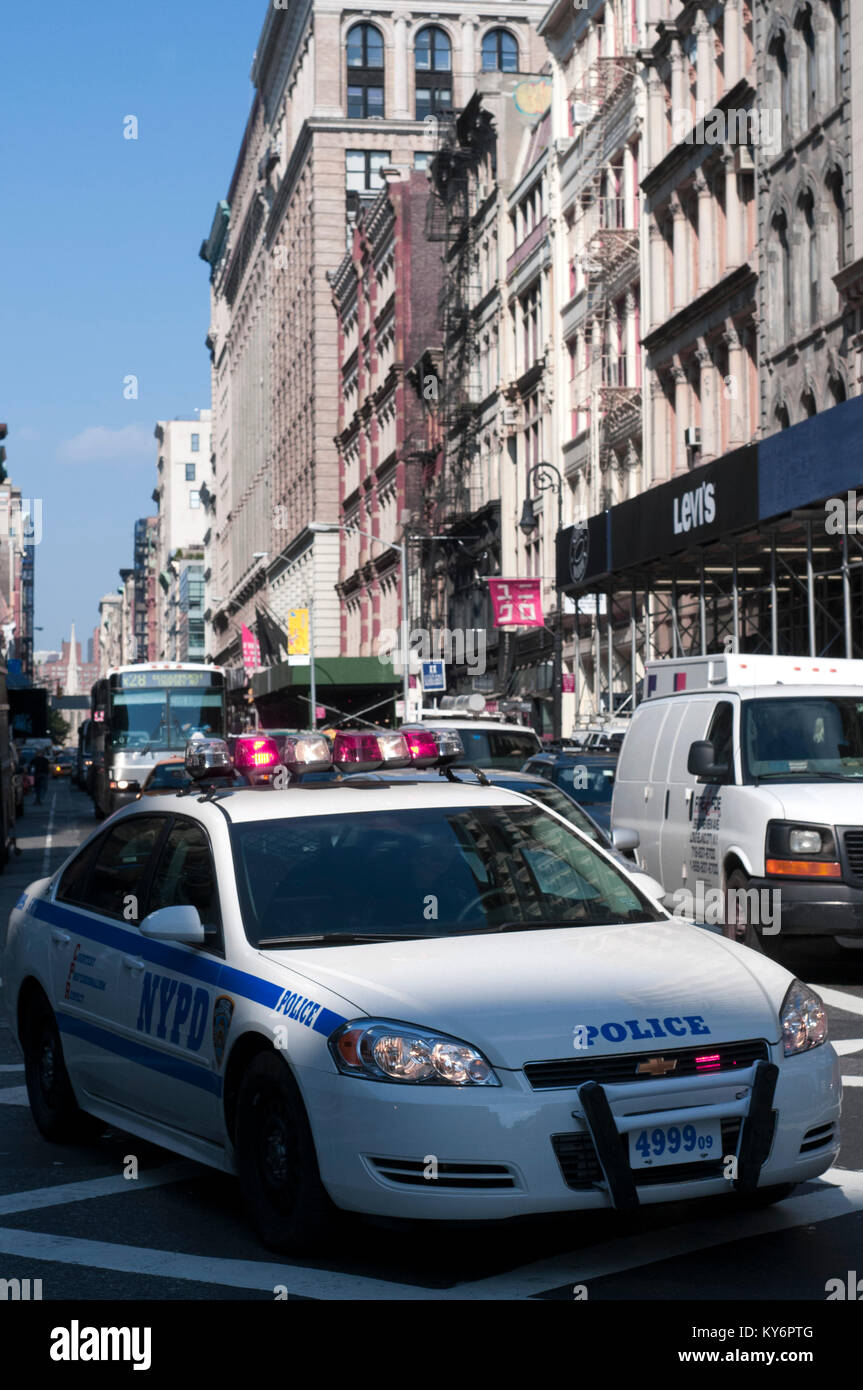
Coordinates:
<point>849,1003</point>
<point>844,1046</point>
<point>14,1095</point>
<point>61,1193</point>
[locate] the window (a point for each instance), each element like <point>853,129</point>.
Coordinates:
<point>196,443</point>
<point>779,53</point>
<point>194,499</point>
<point>433,71</point>
<point>499,52</point>
<point>810,270</point>
<point>363,169</point>
<point>365,51</point>
<point>73,885</point>
<point>721,735</point>
<point>838,48</point>
<point>190,472</point>
<point>421,159</point>
<point>807,33</point>
<point>120,866</point>
<point>809,404</point>
<point>184,874</point>
<point>784,328</point>
<point>837,208</point>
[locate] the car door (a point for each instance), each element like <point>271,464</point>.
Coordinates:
<point>89,937</point>
<point>689,852</point>
<point>172,1010</point>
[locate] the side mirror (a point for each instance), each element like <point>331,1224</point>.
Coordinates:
<point>175,923</point>
<point>625,839</point>
<point>701,762</point>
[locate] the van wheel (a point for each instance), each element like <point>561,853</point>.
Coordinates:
<point>276,1161</point>
<point>737,926</point>
<point>58,1116</point>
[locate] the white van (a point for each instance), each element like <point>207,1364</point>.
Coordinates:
<point>743,776</point>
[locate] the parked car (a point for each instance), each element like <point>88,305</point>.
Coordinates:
<point>63,763</point>
<point>487,742</point>
<point>587,777</point>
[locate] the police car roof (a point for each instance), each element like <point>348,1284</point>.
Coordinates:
<point>249,804</point>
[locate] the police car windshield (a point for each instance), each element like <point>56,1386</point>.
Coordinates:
<point>807,738</point>
<point>429,873</point>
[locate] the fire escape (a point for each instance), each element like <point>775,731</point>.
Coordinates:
<point>606,390</point>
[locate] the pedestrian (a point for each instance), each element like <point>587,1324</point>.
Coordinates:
<point>41,769</point>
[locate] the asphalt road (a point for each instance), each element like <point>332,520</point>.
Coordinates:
<point>69,1217</point>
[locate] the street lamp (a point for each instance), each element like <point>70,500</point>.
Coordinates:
<point>544,475</point>
<point>322,527</point>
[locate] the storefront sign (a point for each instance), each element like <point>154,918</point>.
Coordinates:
<point>516,602</point>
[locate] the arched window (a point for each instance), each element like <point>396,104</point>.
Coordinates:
<point>499,52</point>
<point>779,53</point>
<point>365,50</point>
<point>433,70</point>
<point>783,419</point>
<point>835,184</point>
<point>784,280</point>
<point>837,390</point>
<point>809,80</point>
<point>809,404</point>
<point>835,7</point>
<point>809,259</point>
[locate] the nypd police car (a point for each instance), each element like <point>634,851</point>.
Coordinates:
<point>421,1001</point>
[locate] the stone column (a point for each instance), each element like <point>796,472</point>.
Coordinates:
<point>400,69</point>
<point>660,461</point>
<point>733,43</point>
<point>681,415</point>
<point>679,85</point>
<point>733,212</point>
<point>656,122</point>
<point>631,340</point>
<point>658,296</point>
<point>629,189</point>
<point>736,386</point>
<point>707,371</point>
<point>707,267</point>
<point>467,77</point>
<point>704,60</point>
<point>681,252</point>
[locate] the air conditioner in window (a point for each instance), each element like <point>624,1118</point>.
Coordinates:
<point>692,437</point>
<point>745,161</point>
<point>482,192</point>
<point>510,416</point>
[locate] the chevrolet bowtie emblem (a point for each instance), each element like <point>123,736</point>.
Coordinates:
<point>657,1066</point>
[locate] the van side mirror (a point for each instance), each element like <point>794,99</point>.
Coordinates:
<point>702,762</point>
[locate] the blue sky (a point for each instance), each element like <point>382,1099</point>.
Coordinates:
<point>100,274</point>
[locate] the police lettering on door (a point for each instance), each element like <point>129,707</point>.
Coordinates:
<point>173,1010</point>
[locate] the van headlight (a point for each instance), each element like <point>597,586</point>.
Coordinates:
<point>380,1050</point>
<point>803,1018</point>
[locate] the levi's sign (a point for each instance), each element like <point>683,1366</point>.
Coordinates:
<point>695,508</point>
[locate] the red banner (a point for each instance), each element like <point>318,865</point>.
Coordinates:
<point>251,650</point>
<point>516,602</point>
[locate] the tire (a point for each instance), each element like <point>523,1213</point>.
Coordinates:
<point>276,1162</point>
<point>57,1114</point>
<point>743,931</point>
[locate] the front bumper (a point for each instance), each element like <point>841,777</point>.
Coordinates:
<point>829,908</point>
<point>494,1152</point>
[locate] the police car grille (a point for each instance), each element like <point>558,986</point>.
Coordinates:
<point>622,1069</point>
<point>581,1168</point>
<point>415,1172</point>
<point>854,851</point>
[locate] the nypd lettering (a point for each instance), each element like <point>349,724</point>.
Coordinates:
<point>298,1007</point>
<point>646,1030</point>
<point>171,1009</point>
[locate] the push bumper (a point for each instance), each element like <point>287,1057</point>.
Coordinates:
<point>490,1153</point>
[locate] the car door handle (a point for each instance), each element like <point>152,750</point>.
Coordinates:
<point>60,937</point>
<point>132,963</point>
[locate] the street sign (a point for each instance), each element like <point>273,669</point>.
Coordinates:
<point>434,676</point>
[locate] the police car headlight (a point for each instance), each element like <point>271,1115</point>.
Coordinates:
<point>382,1051</point>
<point>803,1018</point>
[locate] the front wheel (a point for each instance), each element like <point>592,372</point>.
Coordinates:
<point>276,1161</point>
<point>738,912</point>
<point>58,1116</point>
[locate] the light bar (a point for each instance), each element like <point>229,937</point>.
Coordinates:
<point>205,756</point>
<point>422,747</point>
<point>256,752</point>
<point>368,752</point>
<point>305,753</point>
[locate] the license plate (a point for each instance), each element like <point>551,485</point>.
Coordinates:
<point>684,1143</point>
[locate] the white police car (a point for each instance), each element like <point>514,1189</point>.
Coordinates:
<point>415,1001</point>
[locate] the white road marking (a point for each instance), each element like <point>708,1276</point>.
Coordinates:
<point>846,1045</point>
<point>850,1003</point>
<point>49,836</point>
<point>61,1193</point>
<point>840,1194</point>
<point>14,1095</point>
<point>12,1066</point>
<point>852,1081</point>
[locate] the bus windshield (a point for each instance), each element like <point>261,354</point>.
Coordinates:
<point>157,710</point>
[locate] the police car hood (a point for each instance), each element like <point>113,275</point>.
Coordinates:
<point>521,996</point>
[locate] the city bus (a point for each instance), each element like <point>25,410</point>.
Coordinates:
<point>142,714</point>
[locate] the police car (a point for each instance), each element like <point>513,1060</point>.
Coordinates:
<point>419,1001</point>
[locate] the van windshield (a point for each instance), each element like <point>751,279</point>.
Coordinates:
<point>808,739</point>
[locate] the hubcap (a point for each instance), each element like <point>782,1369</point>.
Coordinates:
<point>276,1155</point>
<point>47,1065</point>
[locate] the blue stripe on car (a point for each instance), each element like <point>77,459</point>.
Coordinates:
<point>139,1052</point>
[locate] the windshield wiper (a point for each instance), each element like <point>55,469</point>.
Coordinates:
<point>333,939</point>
